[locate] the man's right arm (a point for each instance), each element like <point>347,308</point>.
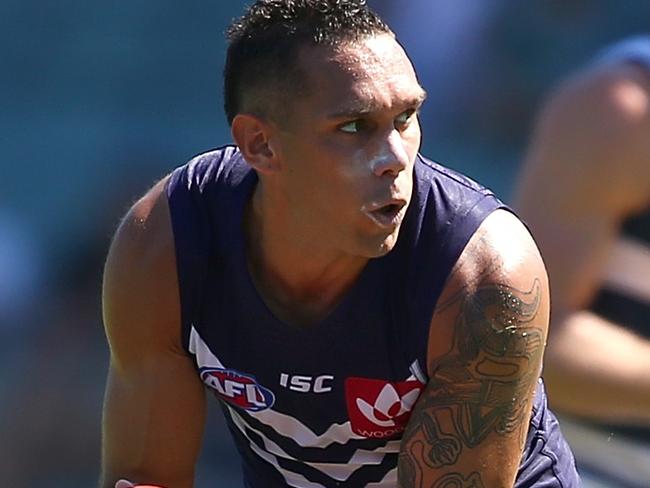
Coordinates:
<point>588,167</point>
<point>154,408</point>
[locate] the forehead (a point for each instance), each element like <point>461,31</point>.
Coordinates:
<point>372,73</point>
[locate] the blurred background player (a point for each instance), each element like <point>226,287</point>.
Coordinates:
<point>585,192</point>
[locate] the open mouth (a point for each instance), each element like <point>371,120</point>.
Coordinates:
<point>387,216</point>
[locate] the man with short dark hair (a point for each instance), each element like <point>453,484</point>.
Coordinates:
<point>366,317</point>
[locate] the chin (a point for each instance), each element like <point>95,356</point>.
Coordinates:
<point>383,247</point>
<point>382,251</point>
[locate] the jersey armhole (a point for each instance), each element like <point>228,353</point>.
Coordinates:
<point>454,239</point>
<point>188,229</point>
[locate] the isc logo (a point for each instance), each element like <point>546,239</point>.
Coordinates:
<point>306,384</point>
<point>238,389</point>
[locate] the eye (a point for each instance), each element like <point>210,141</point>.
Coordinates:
<point>353,127</point>
<point>404,118</point>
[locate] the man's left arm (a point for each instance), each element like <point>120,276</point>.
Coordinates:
<point>485,350</point>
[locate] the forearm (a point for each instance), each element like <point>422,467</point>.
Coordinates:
<point>152,428</point>
<point>598,370</point>
<point>447,460</point>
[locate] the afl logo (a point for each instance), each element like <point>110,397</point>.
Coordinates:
<point>240,390</point>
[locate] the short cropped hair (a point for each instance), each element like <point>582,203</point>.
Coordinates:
<point>261,69</point>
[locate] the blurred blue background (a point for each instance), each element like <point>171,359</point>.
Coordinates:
<point>98,100</point>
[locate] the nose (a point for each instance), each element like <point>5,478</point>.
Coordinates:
<point>392,157</point>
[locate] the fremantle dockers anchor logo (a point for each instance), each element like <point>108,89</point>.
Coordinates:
<point>238,389</point>
<point>378,408</point>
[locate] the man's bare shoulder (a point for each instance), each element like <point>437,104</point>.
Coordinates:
<point>501,262</point>
<point>140,292</point>
<point>501,250</point>
<point>484,359</point>
<point>146,228</point>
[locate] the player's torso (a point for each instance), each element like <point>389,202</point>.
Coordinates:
<point>308,406</point>
<point>322,405</point>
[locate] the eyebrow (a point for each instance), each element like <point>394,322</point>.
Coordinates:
<point>360,108</point>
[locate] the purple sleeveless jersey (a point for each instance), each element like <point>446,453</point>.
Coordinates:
<point>325,406</point>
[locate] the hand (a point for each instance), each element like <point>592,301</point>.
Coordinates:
<point>128,484</point>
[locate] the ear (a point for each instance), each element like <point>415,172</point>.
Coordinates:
<point>253,136</point>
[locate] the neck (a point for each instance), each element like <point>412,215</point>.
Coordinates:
<point>300,281</point>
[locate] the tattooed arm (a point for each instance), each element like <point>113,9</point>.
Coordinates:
<point>485,351</point>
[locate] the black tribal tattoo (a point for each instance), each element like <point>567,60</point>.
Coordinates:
<point>480,386</point>
<point>457,480</point>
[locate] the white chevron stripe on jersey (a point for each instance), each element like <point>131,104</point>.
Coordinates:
<point>299,481</point>
<point>339,471</point>
<point>292,479</point>
<point>364,456</point>
<point>284,424</point>
<point>292,428</point>
<point>204,356</point>
<point>360,456</point>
